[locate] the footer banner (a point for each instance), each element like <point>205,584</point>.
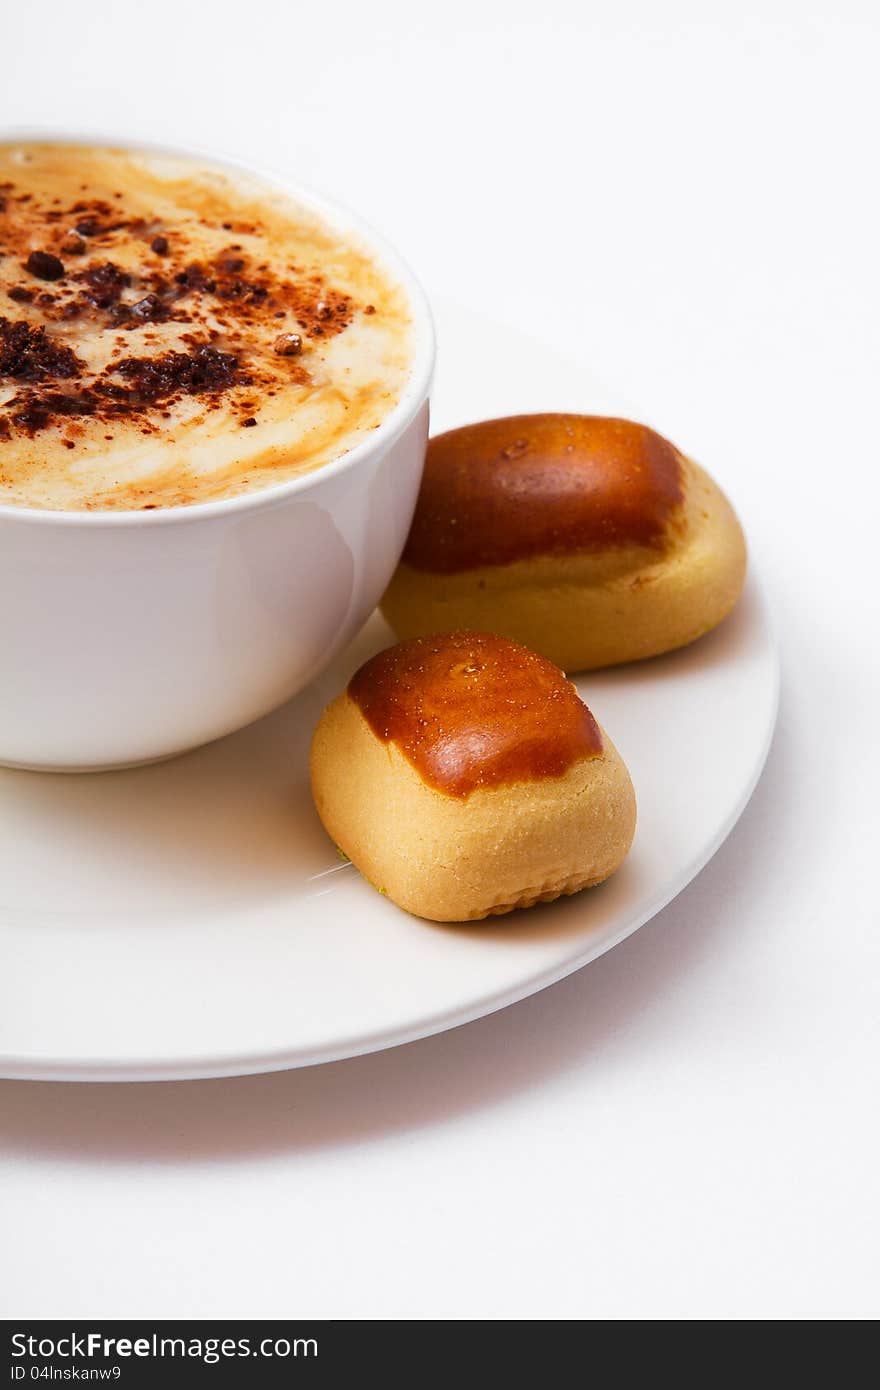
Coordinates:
<point>177,1353</point>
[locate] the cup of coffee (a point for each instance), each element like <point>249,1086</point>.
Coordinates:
<point>213,416</point>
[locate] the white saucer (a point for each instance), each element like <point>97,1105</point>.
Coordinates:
<point>192,919</point>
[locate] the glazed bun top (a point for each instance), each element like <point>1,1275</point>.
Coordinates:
<point>469,710</point>
<point>536,485</point>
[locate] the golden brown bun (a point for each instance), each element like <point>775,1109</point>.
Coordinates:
<point>463,777</point>
<point>591,540</point>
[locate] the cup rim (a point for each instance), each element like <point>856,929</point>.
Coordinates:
<point>342,219</point>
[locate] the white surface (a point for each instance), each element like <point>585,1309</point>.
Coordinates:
<point>138,635</point>
<point>680,197</point>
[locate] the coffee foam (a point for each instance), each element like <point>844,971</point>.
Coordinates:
<point>236,341</point>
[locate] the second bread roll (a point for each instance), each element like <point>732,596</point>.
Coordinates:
<point>592,540</point>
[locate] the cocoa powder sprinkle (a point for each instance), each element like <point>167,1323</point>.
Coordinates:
<point>44,265</point>
<point>155,379</point>
<point>288,345</point>
<point>29,354</point>
<point>73,244</point>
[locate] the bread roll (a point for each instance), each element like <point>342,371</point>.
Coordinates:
<point>464,777</point>
<point>591,540</point>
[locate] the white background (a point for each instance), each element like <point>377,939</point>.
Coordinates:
<point>684,199</point>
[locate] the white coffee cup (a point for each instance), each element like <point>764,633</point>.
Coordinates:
<point>126,637</point>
